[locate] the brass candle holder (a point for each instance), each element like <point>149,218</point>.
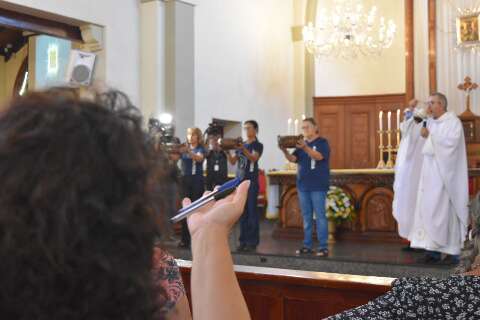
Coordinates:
<point>398,139</point>
<point>381,147</point>
<point>389,164</point>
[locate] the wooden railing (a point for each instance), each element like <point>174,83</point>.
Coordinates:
<point>279,294</point>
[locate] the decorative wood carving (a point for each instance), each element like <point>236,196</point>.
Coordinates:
<point>470,121</point>
<point>471,129</point>
<point>372,197</point>
<point>468,86</point>
<point>290,210</point>
<point>376,211</point>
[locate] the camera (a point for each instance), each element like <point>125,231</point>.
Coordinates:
<point>163,135</point>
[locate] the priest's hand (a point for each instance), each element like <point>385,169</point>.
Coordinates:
<point>424,132</point>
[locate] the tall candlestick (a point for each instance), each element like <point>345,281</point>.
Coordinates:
<point>380,120</point>
<point>289,126</point>
<point>381,162</point>
<point>389,163</point>
<point>398,129</point>
<point>398,119</point>
<point>389,120</point>
<point>296,127</point>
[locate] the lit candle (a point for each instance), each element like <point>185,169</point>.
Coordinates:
<point>289,127</point>
<point>303,117</point>
<point>296,126</point>
<point>398,118</point>
<point>389,120</point>
<point>380,120</point>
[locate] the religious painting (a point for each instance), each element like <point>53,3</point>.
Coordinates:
<point>467,30</point>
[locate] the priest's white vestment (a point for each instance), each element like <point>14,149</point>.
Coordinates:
<point>441,214</point>
<point>407,175</point>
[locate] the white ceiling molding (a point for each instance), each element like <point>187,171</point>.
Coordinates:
<point>190,2</point>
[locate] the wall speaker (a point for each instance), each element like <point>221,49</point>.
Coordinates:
<point>80,68</point>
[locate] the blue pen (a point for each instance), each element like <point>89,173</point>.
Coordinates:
<point>223,191</point>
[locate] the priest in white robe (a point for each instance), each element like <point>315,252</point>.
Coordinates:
<point>407,169</point>
<point>441,214</point>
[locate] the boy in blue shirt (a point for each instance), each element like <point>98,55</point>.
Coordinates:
<point>313,181</point>
<point>246,157</point>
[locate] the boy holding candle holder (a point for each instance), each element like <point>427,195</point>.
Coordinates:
<point>313,182</point>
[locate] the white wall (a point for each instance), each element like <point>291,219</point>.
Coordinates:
<point>244,66</point>
<point>364,76</point>
<point>454,65</point>
<point>152,62</point>
<point>180,64</point>
<point>121,21</point>
<point>420,50</point>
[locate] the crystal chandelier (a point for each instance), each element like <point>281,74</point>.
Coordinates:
<point>348,32</point>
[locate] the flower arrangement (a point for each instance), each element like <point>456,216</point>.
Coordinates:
<point>339,206</point>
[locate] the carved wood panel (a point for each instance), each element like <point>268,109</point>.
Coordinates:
<point>376,211</point>
<point>330,119</point>
<point>360,137</point>
<point>350,124</point>
<point>290,211</point>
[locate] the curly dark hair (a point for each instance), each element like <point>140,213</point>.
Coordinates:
<point>78,189</point>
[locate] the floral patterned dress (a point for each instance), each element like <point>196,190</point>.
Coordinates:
<point>457,297</point>
<point>168,281</point>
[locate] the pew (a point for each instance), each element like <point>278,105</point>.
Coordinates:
<point>280,294</point>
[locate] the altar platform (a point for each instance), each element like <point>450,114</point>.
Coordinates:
<point>368,246</point>
<point>346,257</point>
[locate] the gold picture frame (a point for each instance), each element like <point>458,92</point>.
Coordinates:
<point>468,31</point>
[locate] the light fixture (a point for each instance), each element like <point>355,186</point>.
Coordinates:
<point>24,87</point>
<point>52,59</point>
<point>165,118</point>
<point>349,32</point>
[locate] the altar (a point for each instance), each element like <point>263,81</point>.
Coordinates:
<point>371,191</point>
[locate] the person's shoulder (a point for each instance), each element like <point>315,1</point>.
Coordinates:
<point>427,284</point>
<point>257,145</point>
<point>168,286</point>
<point>321,141</point>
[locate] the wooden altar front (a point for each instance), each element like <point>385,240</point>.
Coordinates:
<point>371,191</point>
